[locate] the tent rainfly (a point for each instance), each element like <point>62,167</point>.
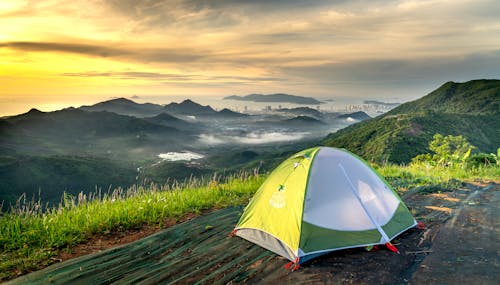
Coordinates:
<point>320,200</point>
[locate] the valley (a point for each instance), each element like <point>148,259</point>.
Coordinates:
<point>75,177</point>
<point>119,143</point>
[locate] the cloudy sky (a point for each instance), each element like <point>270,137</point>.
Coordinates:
<point>56,53</point>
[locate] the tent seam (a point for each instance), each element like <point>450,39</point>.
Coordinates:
<point>305,194</point>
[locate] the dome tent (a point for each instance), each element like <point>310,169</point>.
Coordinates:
<point>321,200</point>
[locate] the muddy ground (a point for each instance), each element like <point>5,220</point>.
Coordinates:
<point>460,244</point>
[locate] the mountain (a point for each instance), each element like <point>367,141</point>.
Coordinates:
<point>50,176</point>
<point>128,107</point>
<point>303,121</point>
<point>278,98</point>
<point>473,97</point>
<point>125,107</point>
<point>168,120</point>
<point>188,107</point>
<point>358,116</point>
<point>74,131</point>
<point>230,114</point>
<point>77,123</point>
<point>302,111</point>
<point>385,104</point>
<point>470,109</point>
<point>74,150</point>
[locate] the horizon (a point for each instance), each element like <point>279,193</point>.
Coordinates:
<point>54,55</point>
<point>218,103</point>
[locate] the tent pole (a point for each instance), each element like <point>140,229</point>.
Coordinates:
<point>353,189</point>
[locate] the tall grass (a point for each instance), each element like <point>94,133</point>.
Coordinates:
<point>29,236</point>
<point>404,177</point>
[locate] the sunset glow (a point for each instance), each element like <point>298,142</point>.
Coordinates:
<point>55,54</point>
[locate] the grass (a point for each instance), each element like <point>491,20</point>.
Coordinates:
<point>404,177</point>
<point>29,236</point>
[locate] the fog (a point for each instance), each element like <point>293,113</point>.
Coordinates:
<point>253,138</point>
<point>177,156</point>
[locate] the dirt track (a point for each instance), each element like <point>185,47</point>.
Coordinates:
<point>466,249</point>
<point>460,244</point>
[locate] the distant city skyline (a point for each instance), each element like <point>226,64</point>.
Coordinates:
<point>55,54</point>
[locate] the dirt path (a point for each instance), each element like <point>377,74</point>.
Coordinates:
<point>460,243</point>
<point>467,247</point>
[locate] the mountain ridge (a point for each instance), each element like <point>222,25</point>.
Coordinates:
<point>359,115</point>
<point>306,111</point>
<point>275,98</point>
<point>124,106</point>
<point>406,131</point>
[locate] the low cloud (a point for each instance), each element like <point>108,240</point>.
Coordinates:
<point>91,50</point>
<point>101,50</point>
<point>133,75</point>
<point>177,156</point>
<point>253,138</point>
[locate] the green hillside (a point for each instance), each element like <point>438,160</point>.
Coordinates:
<point>470,109</point>
<point>77,132</point>
<point>48,177</point>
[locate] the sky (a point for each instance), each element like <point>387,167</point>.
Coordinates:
<point>56,53</point>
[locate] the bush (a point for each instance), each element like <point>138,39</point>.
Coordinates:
<point>482,159</point>
<point>447,151</point>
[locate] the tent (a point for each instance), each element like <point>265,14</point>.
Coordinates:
<point>320,200</point>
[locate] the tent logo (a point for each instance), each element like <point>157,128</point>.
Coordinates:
<point>278,199</point>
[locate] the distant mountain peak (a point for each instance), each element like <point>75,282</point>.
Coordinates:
<point>302,111</point>
<point>230,113</point>
<point>189,101</point>
<point>121,99</point>
<point>304,120</point>
<point>189,107</point>
<point>34,111</point>
<point>359,116</point>
<point>125,106</point>
<point>276,98</point>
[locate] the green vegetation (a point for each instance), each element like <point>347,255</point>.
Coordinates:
<point>448,150</point>
<point>437,178</point>
<point>52,175</point>
<point>450,162</point>
<point>472,97</point>
<point>31,233</point>
<point>455,152</point>
<point>468,109</point>
<point>29,236</point>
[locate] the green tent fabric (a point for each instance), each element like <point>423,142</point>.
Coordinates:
<point>320,200</point>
